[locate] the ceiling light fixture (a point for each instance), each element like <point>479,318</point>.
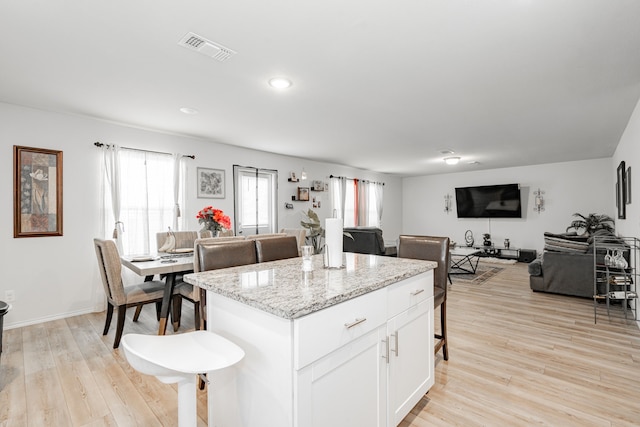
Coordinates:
<point>187,110</point>
<point>280,83</point>
<point>452,160</point>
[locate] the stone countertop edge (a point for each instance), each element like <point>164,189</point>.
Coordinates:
<point>284,290</point>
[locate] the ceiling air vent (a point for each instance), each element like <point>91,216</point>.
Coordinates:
<point>206,47</point>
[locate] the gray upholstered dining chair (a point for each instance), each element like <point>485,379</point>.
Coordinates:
<point>182,239</point>
<point>432,249</point>
<point>276,248</point>
<point>117,294</point>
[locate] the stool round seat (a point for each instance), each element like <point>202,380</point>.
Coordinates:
<point>178,359</point>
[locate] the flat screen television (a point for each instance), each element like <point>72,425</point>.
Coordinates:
<point>489,201</point>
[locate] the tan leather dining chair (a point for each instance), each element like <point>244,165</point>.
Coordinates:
<point>117,294</point>
<point>196,293</point>
<point>432,249</point>
<point>190,292</point>
<point>276,248</point>
<point>301,236</point>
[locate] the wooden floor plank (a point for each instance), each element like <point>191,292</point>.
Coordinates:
<point>517,358</point>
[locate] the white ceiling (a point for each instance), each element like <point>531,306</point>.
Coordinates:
<point>377,84</point>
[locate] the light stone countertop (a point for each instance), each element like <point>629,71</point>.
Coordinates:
<point>283,289</point>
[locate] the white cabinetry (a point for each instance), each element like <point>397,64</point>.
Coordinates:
<point>361,363</point>
<point>410,340</point>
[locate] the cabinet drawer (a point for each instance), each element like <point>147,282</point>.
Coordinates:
<point>322,332</point>
<point>409,292</point>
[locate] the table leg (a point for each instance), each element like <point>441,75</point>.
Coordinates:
<point>166,302</point>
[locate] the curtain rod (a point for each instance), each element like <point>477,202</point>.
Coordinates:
<point>355,179</point>
<point>100,144</point>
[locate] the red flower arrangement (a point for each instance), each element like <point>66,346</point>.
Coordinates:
<point>214,219</point>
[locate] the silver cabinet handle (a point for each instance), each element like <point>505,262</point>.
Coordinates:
<point>416,292</point>
<point>386,351</point>
<point>355,322</point>
<point>397,350</point>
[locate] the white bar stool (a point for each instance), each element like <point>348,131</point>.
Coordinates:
<point>178,359</point>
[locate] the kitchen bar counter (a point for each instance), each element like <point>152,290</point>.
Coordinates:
<point>283,289</point>
<point>349,347</point>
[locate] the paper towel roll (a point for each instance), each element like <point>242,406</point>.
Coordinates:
<point>333,239</point>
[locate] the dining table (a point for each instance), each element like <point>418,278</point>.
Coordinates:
<point>169,265</point>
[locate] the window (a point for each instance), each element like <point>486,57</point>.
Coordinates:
<point>145,195</point>
<point>255,200</point>
<point>357,202</point>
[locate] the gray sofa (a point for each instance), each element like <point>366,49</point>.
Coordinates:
<point>566,266</point>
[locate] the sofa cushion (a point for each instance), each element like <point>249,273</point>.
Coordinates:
<point>565,243</point>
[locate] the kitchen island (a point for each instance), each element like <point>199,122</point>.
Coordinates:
<point>331,347</point>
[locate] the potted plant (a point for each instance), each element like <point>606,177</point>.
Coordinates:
<point>591,223</point>
<point>315,231</point>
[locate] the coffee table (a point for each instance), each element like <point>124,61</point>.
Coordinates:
<point>464,260</point>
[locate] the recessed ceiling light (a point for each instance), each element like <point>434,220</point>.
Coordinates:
<point>187,110</point>
<point>474,162</point>
<point>280,83</point>
<point>452,160</point>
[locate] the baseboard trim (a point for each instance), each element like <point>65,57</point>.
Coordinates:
<point>45,319</point>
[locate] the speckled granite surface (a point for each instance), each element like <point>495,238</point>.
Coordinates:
<point>283,289</point>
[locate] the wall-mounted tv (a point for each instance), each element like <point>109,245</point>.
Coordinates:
<point>489,201</point>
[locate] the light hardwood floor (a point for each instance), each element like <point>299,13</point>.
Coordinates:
<point>517,358</point>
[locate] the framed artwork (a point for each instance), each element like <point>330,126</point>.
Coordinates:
<point>210,183</point>
<point>303,193</point>
<point>37,192</point>
<point>317,186</point>
<point>628,185</point>
<point>621,191</point>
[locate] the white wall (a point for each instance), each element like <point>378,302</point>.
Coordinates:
<point>55,277</point>
<point>569,187</point>
<point>629,151</point>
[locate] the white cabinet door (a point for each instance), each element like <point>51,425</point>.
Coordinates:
<point>411,359</point>
<point>346,387</point>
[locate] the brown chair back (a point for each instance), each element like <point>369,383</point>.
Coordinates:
<point>229,253</point>
<point>110,270</point>
<point>276,248</point>
<point>208,242</point>
<point>431,249</point>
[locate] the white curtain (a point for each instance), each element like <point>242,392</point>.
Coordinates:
<point>379,194</point>
<point>177,177</point>
<point>363,203</point>
<point>338,188</point>
<point>111,189</point>
<point>146,199</point>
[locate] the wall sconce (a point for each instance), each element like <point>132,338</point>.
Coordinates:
<point>303,174</point>
<point>538,203</point>
<point>447,203</point>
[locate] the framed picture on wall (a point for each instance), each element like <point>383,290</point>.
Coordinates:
<point>211,183</point>
<point>621,191</point>
<point>37,192</point>
<point>303,193</point>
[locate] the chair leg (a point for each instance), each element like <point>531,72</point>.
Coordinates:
<point>107,322</point>
<point>203,309</point>
<point>122,312</point>
<point>176,313</point>
<point>158,309</point>
<point>196,314</point>
<point>443,329</point>
<point>136,315</point>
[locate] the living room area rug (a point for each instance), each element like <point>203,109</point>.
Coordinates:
<point>483,273</point>
<point>493,260</point>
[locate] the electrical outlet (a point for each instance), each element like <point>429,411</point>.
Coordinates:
<point>10,296</point>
